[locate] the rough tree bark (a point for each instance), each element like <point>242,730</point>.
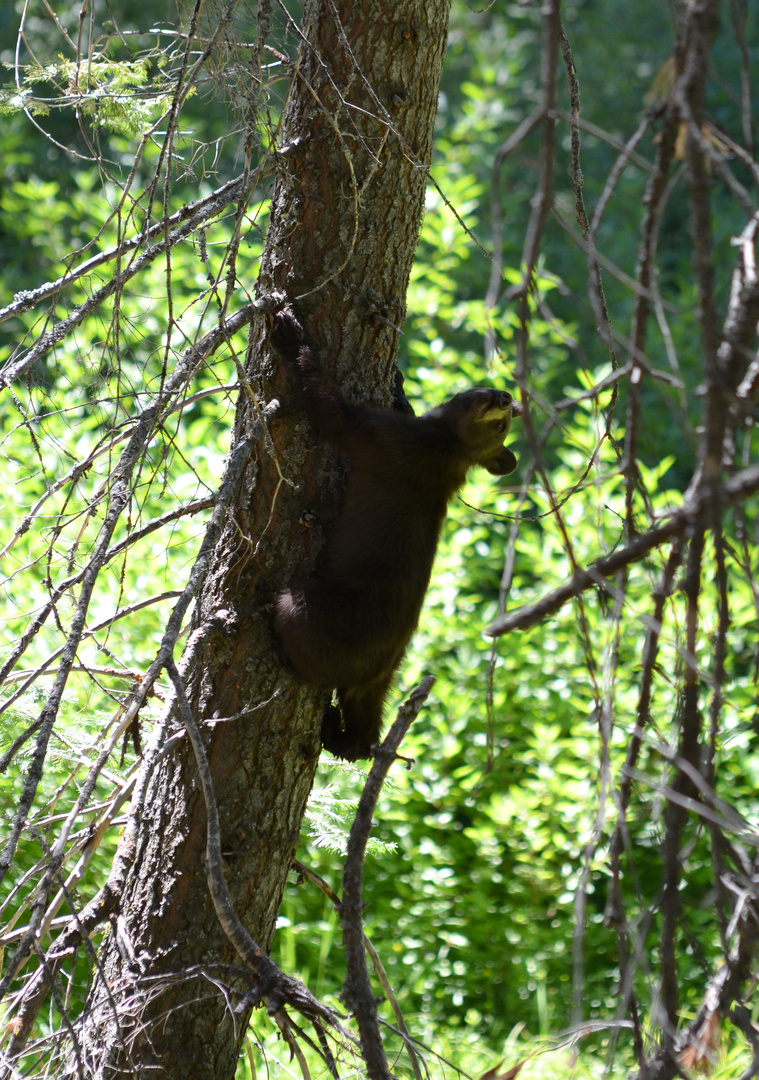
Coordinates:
<point>356,140</point>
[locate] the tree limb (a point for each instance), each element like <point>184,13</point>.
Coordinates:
<point>357,991</point>
<point>734,490</point>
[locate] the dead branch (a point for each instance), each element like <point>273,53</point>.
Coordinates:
<point>357,991</point>
<point>272,986</point>
<point>734,490</point>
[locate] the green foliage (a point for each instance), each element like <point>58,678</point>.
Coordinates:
<point>102,90</point>
<point>329,818</point>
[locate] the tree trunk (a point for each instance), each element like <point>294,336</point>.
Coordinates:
<point>345,216</point>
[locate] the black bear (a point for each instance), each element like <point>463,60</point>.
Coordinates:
<point>347,627</point>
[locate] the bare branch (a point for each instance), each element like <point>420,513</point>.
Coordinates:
<point>24,301</point>
<point>734,491</point>
<point>273,986</point>
<point>357,991</point>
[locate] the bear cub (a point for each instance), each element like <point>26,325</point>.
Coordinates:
<point>347,627</point>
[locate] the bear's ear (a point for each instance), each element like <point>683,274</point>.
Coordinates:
<point>502,464</point>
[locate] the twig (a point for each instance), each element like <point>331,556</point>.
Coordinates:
<point>49,338</point>
<point>238,460</point>
<point>272,985</point>
<point>357,991</point>
<point>23,301</point>
<point>379,968</point>
<point>734,490</point>
<point>144,424</point>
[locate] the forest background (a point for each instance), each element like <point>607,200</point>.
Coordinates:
<point>492,894</point>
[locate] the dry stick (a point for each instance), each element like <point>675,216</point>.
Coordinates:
<point>237,462</point>
<point>743,156</point>
<point>37,989</point>
<point>379,969</point>
<point>738,13</point>
<point>595,282</point>
<point>78,929</point>
<point>730,380</point>
<point>684,421</point>
<point>49,713</point>
<point>715,708</point>
<point>326,1049</point>
<point>119,494</point>
<point>273,986</point>
<point>740,329</point>
<point>51,964</point>
<point>740,334</point>
<point>708,805</point>
<point>541,204</point>
<point>688,95</point>
<point>357,991</point>
<point>322,1048</point>
<point>688,98</point>
<point>627,154</point>
<point>675,814</point>
<point>615,907</point>
<point>496,270</point>
<point>183,372</point>
<point>96,833</point>
<point>108,897</point>
<point>719,999</point>
<point>49,338</point>
<point>644,276</point>
<point>541,201</point>
<point>280,1018</point>
<point>604,710</point>
<point>716,159</point>
<point>23,301</point>
<point>582,580</point>
<point>734,490</point>
<point>61,1007</point>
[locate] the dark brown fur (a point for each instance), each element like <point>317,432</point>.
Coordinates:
<point>348,627</point>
